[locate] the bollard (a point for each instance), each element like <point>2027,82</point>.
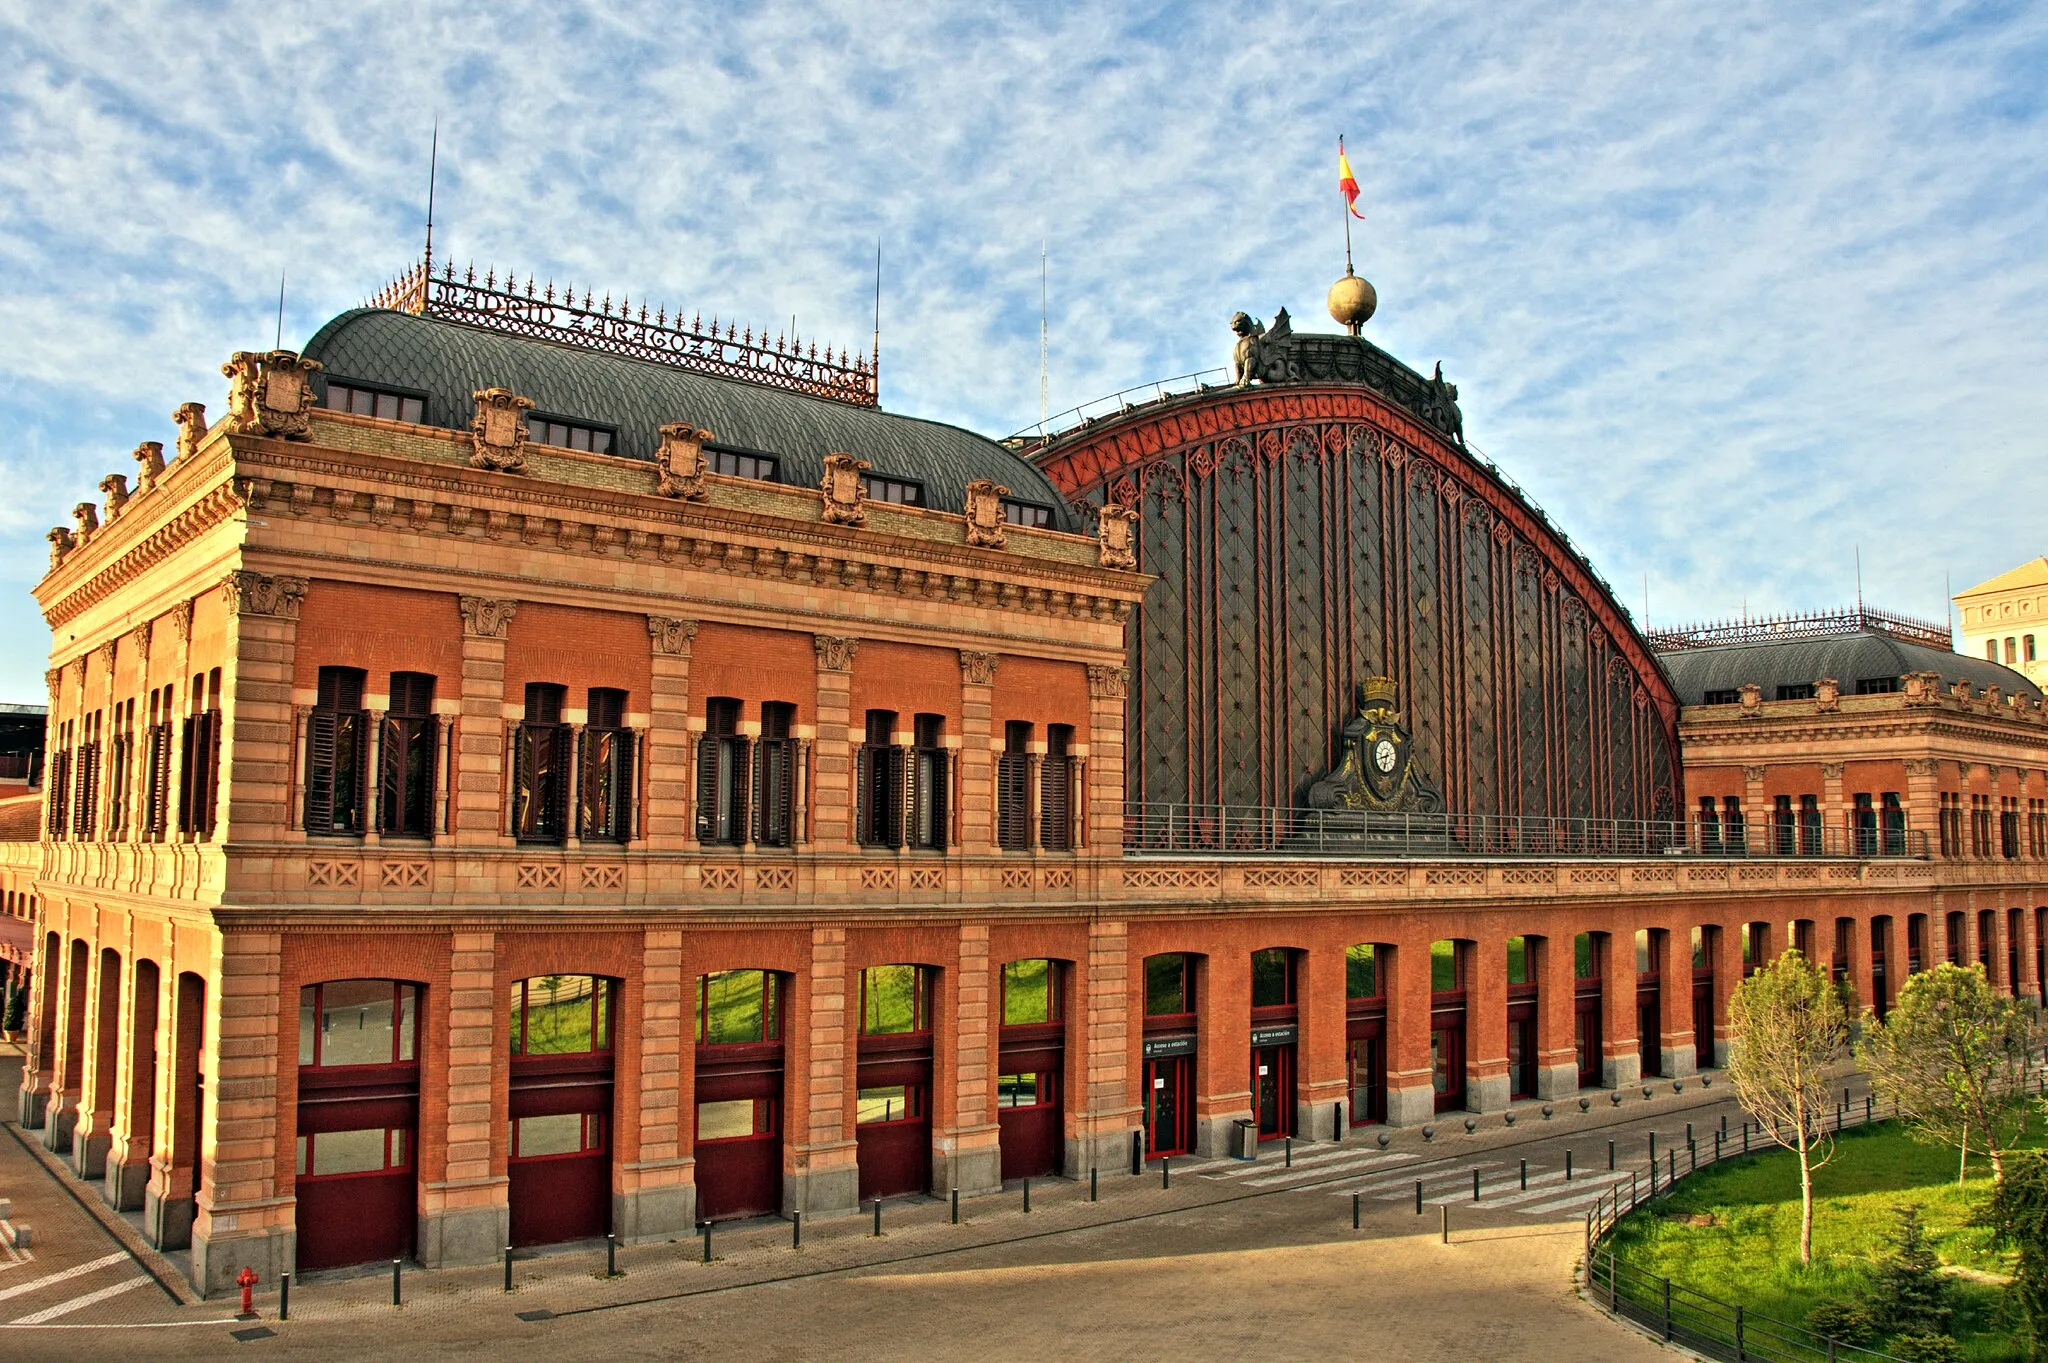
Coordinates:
<point>1027,1197</point>
<point>1610,1157</point>
<point>1289,1152</point>
<point>1653,1147</point>
<point>508,1266</point>
<point>1091,1183</point>
<point>1137,1152</point>
<point>1418,1197</point>
<point>397,1293</point>
<point>1653,1178</point>
<point>1567,1166</point>
<point>1166,1173</point>
<point>878,1214</point>
<point>1525,1176</point>
<point>1356,1199</point>
<point>956,1206</point>
<point>1475,1185</point>
<point>284,1296</point>
<point>1337,1121</point>
<point>1673,1176</point>
<point>796,1226</point>
<point>1446,1210</point>
<point>611,1255</point>
<point>707,1244</point>
<point>1724,1123</point>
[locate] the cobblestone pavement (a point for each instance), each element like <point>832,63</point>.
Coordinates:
<point>1208,1255</point>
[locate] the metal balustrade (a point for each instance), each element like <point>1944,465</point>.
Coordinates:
<point>1271,831</point>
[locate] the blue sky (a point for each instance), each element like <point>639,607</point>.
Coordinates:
<point>1732,289</point>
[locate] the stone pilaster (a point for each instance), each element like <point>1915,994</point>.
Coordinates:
<point>1676,1046</point>
<point>1923,806</point>
<point>1557,1038</point>
<point>977,759</point>
<point>1101,1048</point>
<point>668,736</point>
<point>1486,1025</point>
<point>657,1198</point>
<point>1107,687</point>
<point>465,1213</point>
<point>1323,1090</point>
<point>1834,811</point>
<point>90,1139</point>
<point>832,790</point>
<point>822,1173</point>
<point>1411,1097</point>
<point>241,1218</point>
<point>1621,1056</point>
<point>257,719</point>
<point>480,773</point>
<point>134,1128</point>
<point>967,1150</point>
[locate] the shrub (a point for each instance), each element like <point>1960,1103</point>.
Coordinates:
<point>1845,1322</point>
<point>1907,1295</point>
<point>1925,1348</point>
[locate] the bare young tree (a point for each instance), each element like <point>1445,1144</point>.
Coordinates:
<point>1791,1030</point>
<point>1958,1058</point>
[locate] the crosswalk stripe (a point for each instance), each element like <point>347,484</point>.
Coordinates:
<point>1594,1187</point>
<point>1246,1168</point>
<point>50,1278</point>
<point>1599,1188</point>
<point>65,1308</point>
<point>1281,1177</point>
<point>1403,1183</point>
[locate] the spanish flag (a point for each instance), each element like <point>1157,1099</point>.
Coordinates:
<point>1347,183</point>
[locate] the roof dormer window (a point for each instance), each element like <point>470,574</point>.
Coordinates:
<point>734,464</point>
<point>361,400</point>
<point>899,491</point>
<point>1029,514</point>
<point>568,435</point>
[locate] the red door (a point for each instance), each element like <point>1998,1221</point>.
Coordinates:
<point>1587,1037</point>
<point>1447,1059</point>
<point>1703,1023</point>
<point>1366,1063</point>
<point>1170,1105</point>
<point>739,1130</point>
<point>560,1183</point>
<point>893,1117</point>
<point>1030,1107</point>
<point>356,1187</point>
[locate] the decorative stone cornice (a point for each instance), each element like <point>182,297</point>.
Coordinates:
<point>252,593</point>
<point>671,636</point>
<point>1108,683</point>
<point>486,617</point>
<point>977,669</point>
<point>835,652</point>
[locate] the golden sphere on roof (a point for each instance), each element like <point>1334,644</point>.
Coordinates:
<point>1352,301</point>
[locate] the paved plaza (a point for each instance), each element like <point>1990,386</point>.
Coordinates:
<point>1231,1257</point>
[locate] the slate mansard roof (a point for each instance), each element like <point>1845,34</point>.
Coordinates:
<point>447,362</point>
<point>1849,658</point>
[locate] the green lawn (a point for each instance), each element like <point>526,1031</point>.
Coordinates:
<point>1733,1231</point>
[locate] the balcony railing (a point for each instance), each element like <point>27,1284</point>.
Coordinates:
<point>1152,829</point>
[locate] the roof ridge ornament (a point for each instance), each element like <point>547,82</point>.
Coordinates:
<point>590,324</point>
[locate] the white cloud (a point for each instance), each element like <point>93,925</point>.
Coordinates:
<point>1731,289</point>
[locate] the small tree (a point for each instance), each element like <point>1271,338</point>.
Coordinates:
<point>2019,1217</point>
<point>1958,1058</point>
<point>1790,1031</point>
<point>1907,1294</point>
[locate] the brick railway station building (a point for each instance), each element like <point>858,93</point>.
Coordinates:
<point>527,771</point>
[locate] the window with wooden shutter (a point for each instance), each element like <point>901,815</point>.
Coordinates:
<point>406,760</point>
<point>1056,790</point>
<point>59,780</point>
<point>157,778</point>
<point>775,775</point>
<point>723,777</point>
<point>881,783</point>
<point>1013,788</point>
<point>928,785</point>
<point>607,773</point>
<point>336,762</point>
<point>540,796</point>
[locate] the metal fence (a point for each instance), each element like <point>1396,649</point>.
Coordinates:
<point>1703,1323</point>
<point>1251,830</point>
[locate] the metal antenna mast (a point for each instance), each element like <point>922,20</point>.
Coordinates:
<point>1044,384</point>
<point>875,357</point>
<point>433,173</point>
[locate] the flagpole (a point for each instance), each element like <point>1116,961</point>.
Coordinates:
<point>1344,208</point>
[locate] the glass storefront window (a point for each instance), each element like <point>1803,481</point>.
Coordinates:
<point>1024,1090</point>
<point>559,1133</point>
<point>369,1150</point>
<point>1518,960</point>
<point>731,1119</point>
<point>1168,988</point>
<point>1361,972</point>
<point>357,1022</point>
<point>1445,968</point>
<point>560,1015</point>
<point>892,1000</point>
<point>888,1103</point>
<point>735,1007</point>
<point>1585,963</point>
<point>1699,948</point>
<point>1029,994</point>
<point>1272,978</point>
<point>1643,966</point>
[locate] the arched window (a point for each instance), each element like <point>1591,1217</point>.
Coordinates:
<point>561,1015</point>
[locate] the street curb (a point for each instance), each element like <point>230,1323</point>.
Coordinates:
<point>146,1256</point>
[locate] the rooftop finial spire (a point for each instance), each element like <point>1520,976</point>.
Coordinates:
<point>433,173</point>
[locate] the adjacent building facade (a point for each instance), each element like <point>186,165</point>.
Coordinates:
<point>2001,620</point>
<point>528,772</point>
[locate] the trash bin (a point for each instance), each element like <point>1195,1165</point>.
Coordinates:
<point>1244,1142</point>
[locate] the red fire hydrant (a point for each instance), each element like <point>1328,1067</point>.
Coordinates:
<point>246,1280</point>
